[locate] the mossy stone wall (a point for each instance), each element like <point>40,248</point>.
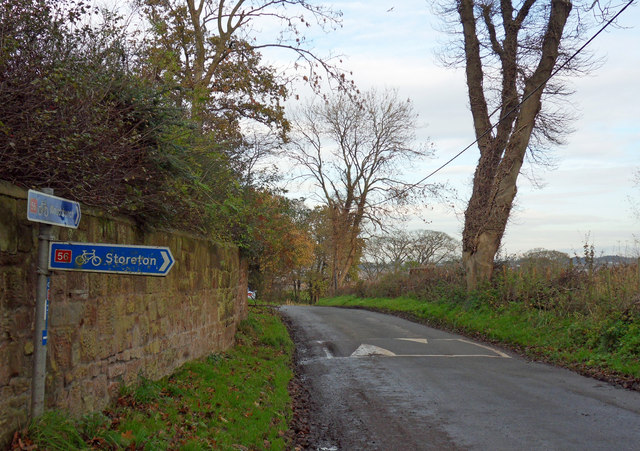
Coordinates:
<point>106,329</point>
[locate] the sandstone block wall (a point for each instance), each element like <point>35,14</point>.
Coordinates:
<point>106,329</point>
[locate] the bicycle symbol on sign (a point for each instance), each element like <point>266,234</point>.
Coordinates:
<point>43,209</point>
<point>88,257</point>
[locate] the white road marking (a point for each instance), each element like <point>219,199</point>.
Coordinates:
<point>328,354</point>
<point>417,340</point>
<point>370,350</point>
<point>500,353</point>
<point>367,350</point>
<point>453,355</point>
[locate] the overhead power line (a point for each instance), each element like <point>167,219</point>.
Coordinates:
<point>514,109</point>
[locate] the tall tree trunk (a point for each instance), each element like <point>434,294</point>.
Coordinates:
<point>345,267</point>
<point>336,243</point>
<point>502,154</point>
<point>345,239</point>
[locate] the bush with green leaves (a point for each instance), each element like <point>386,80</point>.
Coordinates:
<point>77,119</point>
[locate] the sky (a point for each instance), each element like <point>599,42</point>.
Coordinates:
<point>588,197</point>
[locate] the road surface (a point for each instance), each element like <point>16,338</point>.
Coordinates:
<point>378,382</point>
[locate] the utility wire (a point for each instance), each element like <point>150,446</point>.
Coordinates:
<point>431,174</point>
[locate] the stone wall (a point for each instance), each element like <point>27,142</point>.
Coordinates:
<point>106,329</point>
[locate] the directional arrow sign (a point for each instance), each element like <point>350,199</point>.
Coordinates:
<point>53,210</point>
<point>111,258</point>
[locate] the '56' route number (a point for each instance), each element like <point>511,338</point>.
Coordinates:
<point>62,256</point>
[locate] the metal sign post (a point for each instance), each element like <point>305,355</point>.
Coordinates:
<point>48,210</point>
<point>40,329</point>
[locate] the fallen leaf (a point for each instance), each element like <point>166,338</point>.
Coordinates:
<point>127,435</point>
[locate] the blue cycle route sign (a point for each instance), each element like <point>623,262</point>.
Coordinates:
<point>53,210</point>
<point>110,258</point>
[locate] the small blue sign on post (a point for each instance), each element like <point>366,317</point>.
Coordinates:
<point>46,313</point>
<point>53,210</point>
<point>110,258</point>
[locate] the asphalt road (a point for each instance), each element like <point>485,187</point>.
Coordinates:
<point>378,382</point>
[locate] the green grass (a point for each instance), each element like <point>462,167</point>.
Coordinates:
<point>609,345</point>
<point>225,401</point>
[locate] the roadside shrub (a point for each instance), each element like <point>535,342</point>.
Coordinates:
<point>427,283</point>
<point>586,290</point>
<point>391,285</point>
<point>77,119</point>
<point>610,334</point>
<point>630,342</point>
<point>594,291</point>
<point>580,332</point>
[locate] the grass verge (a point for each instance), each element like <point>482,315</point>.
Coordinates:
<point>233,400</point>
<point>608,349</point>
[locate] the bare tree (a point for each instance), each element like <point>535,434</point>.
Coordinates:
<point>509,51</point>
<point>430,247</point>
<point>541,258</point>
<point>352,149</point>
<point>399,249</point>
<point>387,252</point>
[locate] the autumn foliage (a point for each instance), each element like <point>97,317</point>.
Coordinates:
<point>82,113</point>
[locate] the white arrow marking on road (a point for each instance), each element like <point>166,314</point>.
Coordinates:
<point>166,262</point>
<point>366,350</point>
<point>417,340</point>
<point>500,353</point>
